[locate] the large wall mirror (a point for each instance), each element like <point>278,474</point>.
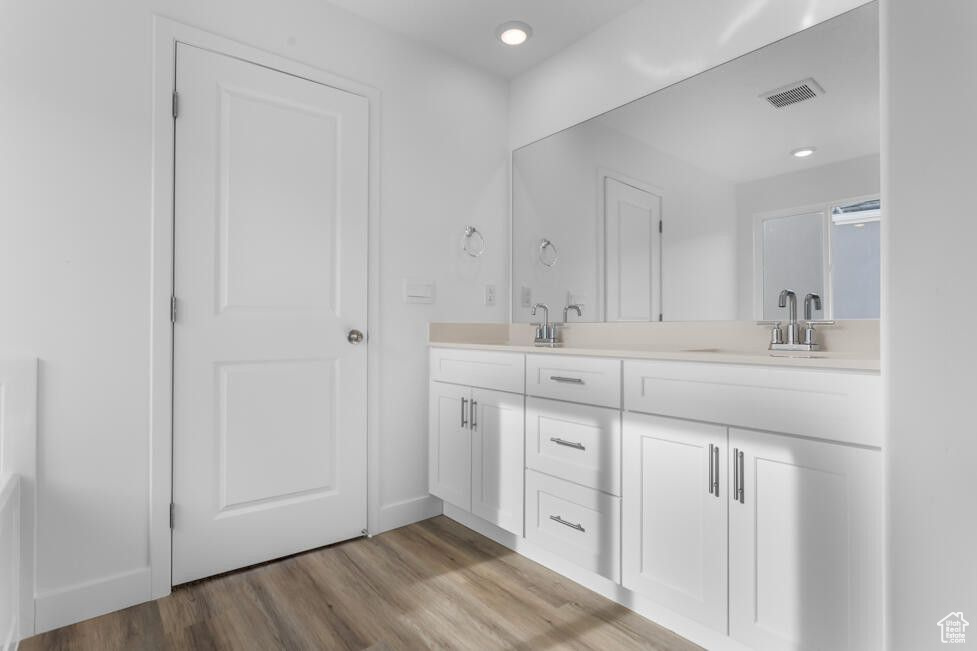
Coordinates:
<point>706,199</point>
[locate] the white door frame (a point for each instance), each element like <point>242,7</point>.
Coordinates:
<point>166,34</point>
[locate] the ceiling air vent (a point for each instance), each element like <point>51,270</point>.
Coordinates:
<point>800,91</point>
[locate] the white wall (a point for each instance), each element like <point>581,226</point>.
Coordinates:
<point>555,195</point>
<point>930,271</point>
<point>75,123</point>
<point>844,180</point>
<point>647,48</point>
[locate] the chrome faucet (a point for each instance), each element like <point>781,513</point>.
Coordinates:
<point>574,307</point>
<point>788,299</point>
<point>811,302</point>
<point>546,332</point>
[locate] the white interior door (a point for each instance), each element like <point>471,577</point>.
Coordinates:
<point>269,440</point>
<point>632,252</point>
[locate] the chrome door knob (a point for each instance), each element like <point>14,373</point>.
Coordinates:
<point>354,336</point>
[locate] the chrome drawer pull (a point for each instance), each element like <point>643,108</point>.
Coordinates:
<point>742,478</point>
<point>715,484</point>
<point>567,380</point>
<point>556,518</point>
<point>569,444</point>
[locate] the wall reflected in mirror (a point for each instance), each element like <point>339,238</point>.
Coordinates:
<point>704,200</point>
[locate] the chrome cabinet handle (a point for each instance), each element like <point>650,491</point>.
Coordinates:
<point>567,380</point>
<point>741,493</point>
<point>715,481</point>
<point>712,468</point>
<point>556,518</point>
<point>569,444</point>
<point>464,412</point>
<point>736,474</point>
<point>474,410</point>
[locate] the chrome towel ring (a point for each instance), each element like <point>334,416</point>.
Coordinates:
<point>548,259</point>
<point>473,242</point>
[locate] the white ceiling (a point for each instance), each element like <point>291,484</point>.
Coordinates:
<point>466,28</point>
<point>717,122</point>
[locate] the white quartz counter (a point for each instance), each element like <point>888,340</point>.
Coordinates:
<point>850,349</point>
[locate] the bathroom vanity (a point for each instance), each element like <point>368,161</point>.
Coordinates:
<point>695,449</point>
<point>732,496</point>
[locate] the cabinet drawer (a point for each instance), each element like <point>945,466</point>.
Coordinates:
<point>837,405</point>
<point>580,524</point>
<point>578,443</point>
<point>589,380</point>
<point>479,368</point>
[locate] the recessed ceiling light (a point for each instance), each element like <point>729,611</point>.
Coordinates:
<point>514,32</point>
<point>803,152</point>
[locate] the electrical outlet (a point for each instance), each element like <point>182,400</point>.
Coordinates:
<point>526,297</point>
<point>490,294</point>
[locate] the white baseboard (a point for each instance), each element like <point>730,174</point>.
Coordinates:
<point>403,513</point>
<point>86,600</point>
<point>679,624</point>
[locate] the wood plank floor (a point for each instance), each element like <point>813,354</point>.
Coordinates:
<point>434,584</point>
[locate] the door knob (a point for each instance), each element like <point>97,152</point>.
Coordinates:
<point>354,336</point>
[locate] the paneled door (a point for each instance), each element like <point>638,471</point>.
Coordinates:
<point>675,511</point>
<point>632,219</point>
<point>805,544</point>
<point>270,386</point>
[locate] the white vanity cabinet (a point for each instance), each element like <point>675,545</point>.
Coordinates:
<point>476,434</point>
<point>804,544</point>
<point>798,518</point>
<point>675,515</point>
<point>742,501</point>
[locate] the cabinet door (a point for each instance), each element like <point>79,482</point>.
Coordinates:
<point>674,522</point>
<point>805,548</point>
<point>450,444</point>
<point>497,425</point>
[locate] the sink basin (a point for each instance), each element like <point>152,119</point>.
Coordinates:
<point>755,353</point>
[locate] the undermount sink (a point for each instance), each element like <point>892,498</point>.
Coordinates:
<point>724,351</point>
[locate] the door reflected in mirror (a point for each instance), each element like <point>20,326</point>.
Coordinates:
<point>705,200</point>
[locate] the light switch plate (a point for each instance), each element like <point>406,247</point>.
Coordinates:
<point>526,297</point>
<point>418,291</point>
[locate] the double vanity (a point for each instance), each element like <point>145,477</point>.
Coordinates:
<point>730,495</point>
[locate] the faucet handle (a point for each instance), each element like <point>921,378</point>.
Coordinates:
<point>816,322</point>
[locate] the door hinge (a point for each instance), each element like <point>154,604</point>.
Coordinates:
<point>660,227</point>
<point>172,514</point>
<point>176,104</point>
<point>173,309</point>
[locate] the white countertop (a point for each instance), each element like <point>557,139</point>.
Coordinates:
<point>819,359</point>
